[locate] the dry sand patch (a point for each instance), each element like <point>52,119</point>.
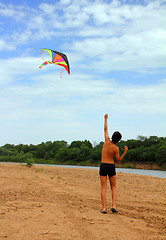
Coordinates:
<point>54,203</point>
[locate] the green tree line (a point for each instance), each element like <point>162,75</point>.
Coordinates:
<point>141,150</point>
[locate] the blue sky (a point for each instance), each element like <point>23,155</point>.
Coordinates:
<point>117,56</point>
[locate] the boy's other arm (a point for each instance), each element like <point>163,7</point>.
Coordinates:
<point>117,157</point>
<point>106,129</point>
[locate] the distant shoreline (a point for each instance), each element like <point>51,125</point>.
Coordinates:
<point>146,166</point>
<point>132,165</point>
<point>129,165</point>
<point>144,172</point>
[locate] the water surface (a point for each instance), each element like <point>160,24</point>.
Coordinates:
<point>152,173</point>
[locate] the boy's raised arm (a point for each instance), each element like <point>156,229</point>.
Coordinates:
<point>106,129</point>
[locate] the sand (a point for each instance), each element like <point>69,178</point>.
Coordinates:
<point>55,203</point>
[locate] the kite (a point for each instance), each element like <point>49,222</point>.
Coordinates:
<point>56,58</point>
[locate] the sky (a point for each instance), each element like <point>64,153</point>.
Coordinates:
<point>117,55</point>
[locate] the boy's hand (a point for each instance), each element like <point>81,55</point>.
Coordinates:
<point>125,149</point>
<point>106,116</point>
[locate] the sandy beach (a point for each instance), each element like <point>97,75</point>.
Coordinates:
<point>55,203</point>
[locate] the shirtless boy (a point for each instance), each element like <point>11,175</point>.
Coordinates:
<point>107,167</point>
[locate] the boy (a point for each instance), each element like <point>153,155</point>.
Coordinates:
<point>107,167</point>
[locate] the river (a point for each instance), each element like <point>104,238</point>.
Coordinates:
<point>152,173</point>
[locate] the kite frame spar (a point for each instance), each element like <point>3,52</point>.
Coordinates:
<point>56,58</point>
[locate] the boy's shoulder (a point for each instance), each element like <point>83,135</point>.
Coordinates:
<point>111,144</point>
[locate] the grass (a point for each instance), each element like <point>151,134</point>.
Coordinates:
<point>128,165</point>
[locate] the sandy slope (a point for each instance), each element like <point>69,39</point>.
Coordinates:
<point>53,203</point>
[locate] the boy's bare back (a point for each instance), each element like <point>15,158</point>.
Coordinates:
<point>109,151</point>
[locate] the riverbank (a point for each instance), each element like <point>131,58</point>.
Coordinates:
<point>133,165</point>
<point>54,203</point>
<point>146,166</point>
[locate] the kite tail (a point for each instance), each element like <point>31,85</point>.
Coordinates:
<point>42,54</point>
<point>62,71</point>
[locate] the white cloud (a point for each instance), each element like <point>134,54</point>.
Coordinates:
<point>48,9</point>
<point>127,36</point>
<point>78,104</point>
<point>98,37</point>
<point>65,2</point>
<point>12,11</point>
<point>30,84</point>
<point>123,53</point>
<point>18,69</point>
<point>6,46</point>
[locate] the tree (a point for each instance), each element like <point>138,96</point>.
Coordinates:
<point>161,154</point>
<point>75,144</point>
<point>78,144</point>
<point>85,152</point>
<point>40,150</point>
<point>25,148</point>
<point>62,155</point>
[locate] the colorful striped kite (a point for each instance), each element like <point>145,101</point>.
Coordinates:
<point>56,58</point>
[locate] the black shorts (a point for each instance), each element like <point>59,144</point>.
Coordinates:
<point>107,169</point>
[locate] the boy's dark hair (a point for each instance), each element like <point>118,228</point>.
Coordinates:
<point>116,137</point>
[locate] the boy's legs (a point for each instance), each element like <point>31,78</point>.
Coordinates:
<point>113,188</point>
<point>103,180</point>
